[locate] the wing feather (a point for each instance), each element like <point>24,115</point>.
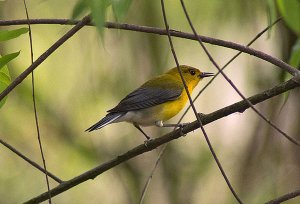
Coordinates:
<point>148,96</point>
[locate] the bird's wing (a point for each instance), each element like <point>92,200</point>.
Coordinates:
<point>146,97</point>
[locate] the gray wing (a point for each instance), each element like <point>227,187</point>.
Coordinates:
<point>146,98</point>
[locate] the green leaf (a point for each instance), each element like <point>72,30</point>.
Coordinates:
<point>120,8</point>
<point>271,13</point>
<point>295,54</point>
<point>10,34</point>
<point>290,11</point>
<point>4,82</point>
<point>7,58</point>
<point>80,7</point>
<point>98,12</point>
<point>295,62</point>
<point>4,78</point>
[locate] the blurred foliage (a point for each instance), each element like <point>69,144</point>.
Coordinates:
<point>295,55</point>
<point>5,78</point>
<point>98,10</point>
<point>82,79</point>
<point>11,34</point>
<point>290,10</point>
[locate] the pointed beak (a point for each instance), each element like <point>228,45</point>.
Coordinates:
<point>205,74</point>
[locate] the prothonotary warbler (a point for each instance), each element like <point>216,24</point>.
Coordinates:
<point>156,101</point>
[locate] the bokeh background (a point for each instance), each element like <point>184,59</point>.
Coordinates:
<point>89,75</point>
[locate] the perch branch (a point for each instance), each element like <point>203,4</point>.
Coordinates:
<point>234,108</point>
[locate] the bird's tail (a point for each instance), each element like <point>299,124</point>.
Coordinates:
<point>109,118</point>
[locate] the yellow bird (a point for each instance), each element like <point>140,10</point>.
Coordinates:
<point>156,101</point>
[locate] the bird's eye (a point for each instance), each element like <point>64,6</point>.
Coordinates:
<point>192,72</point>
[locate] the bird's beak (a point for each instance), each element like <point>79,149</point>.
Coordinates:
<point>205,74</point>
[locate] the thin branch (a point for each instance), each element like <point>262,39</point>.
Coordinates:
<point>206,119</point>
<point>194,109</point>
<point>186,111</point>
<point>34,105</point>
<point>177,63</point>
<point>162,151</point>
<point>197,116</point>
<point>14,150</point>
<point>285,197</point>
<point>232,84</point>
<point>45,55</point>
<point>159,31</point>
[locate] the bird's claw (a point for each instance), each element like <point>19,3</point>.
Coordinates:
<point>147,141</point>
<point>201,115</point>
<point>181,132</point>
<point>181,126</point>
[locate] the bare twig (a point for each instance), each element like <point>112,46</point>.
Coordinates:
<point>285,197</point>
<point>159,31</point>
<point>14,150</point>
<point>161,152</point>
<point>195,111</point>
<point>45,55</point>
<point>34,105</point>
<point>201,91</point>
<point>232,84</point>
<point>176,61</point>
<point>197,116</point>
<point>206,119</point>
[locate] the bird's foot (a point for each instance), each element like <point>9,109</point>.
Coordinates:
<point>180,127</point>
<point>146,142</point>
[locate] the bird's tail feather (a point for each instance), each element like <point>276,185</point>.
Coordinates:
<point>109,118</point>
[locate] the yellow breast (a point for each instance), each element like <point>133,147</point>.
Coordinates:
<point>172,108</point>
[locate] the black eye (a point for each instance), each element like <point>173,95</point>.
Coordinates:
<point>192,72</point>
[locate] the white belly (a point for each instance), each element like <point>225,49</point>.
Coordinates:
<point>145,117</point>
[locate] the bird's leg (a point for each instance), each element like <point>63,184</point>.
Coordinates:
<point>161,124</point>
<point>140,129</point>
<point>179,125</point>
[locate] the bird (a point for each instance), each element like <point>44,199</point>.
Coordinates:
<point>156,101</point>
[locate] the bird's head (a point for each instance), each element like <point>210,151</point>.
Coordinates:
<point>191,75</point>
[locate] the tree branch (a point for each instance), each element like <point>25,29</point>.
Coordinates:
<point>236,107</point>
<point>159,31</point>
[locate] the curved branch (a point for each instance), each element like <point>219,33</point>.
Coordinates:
<point>159,31</point>
<point>236,107</point>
